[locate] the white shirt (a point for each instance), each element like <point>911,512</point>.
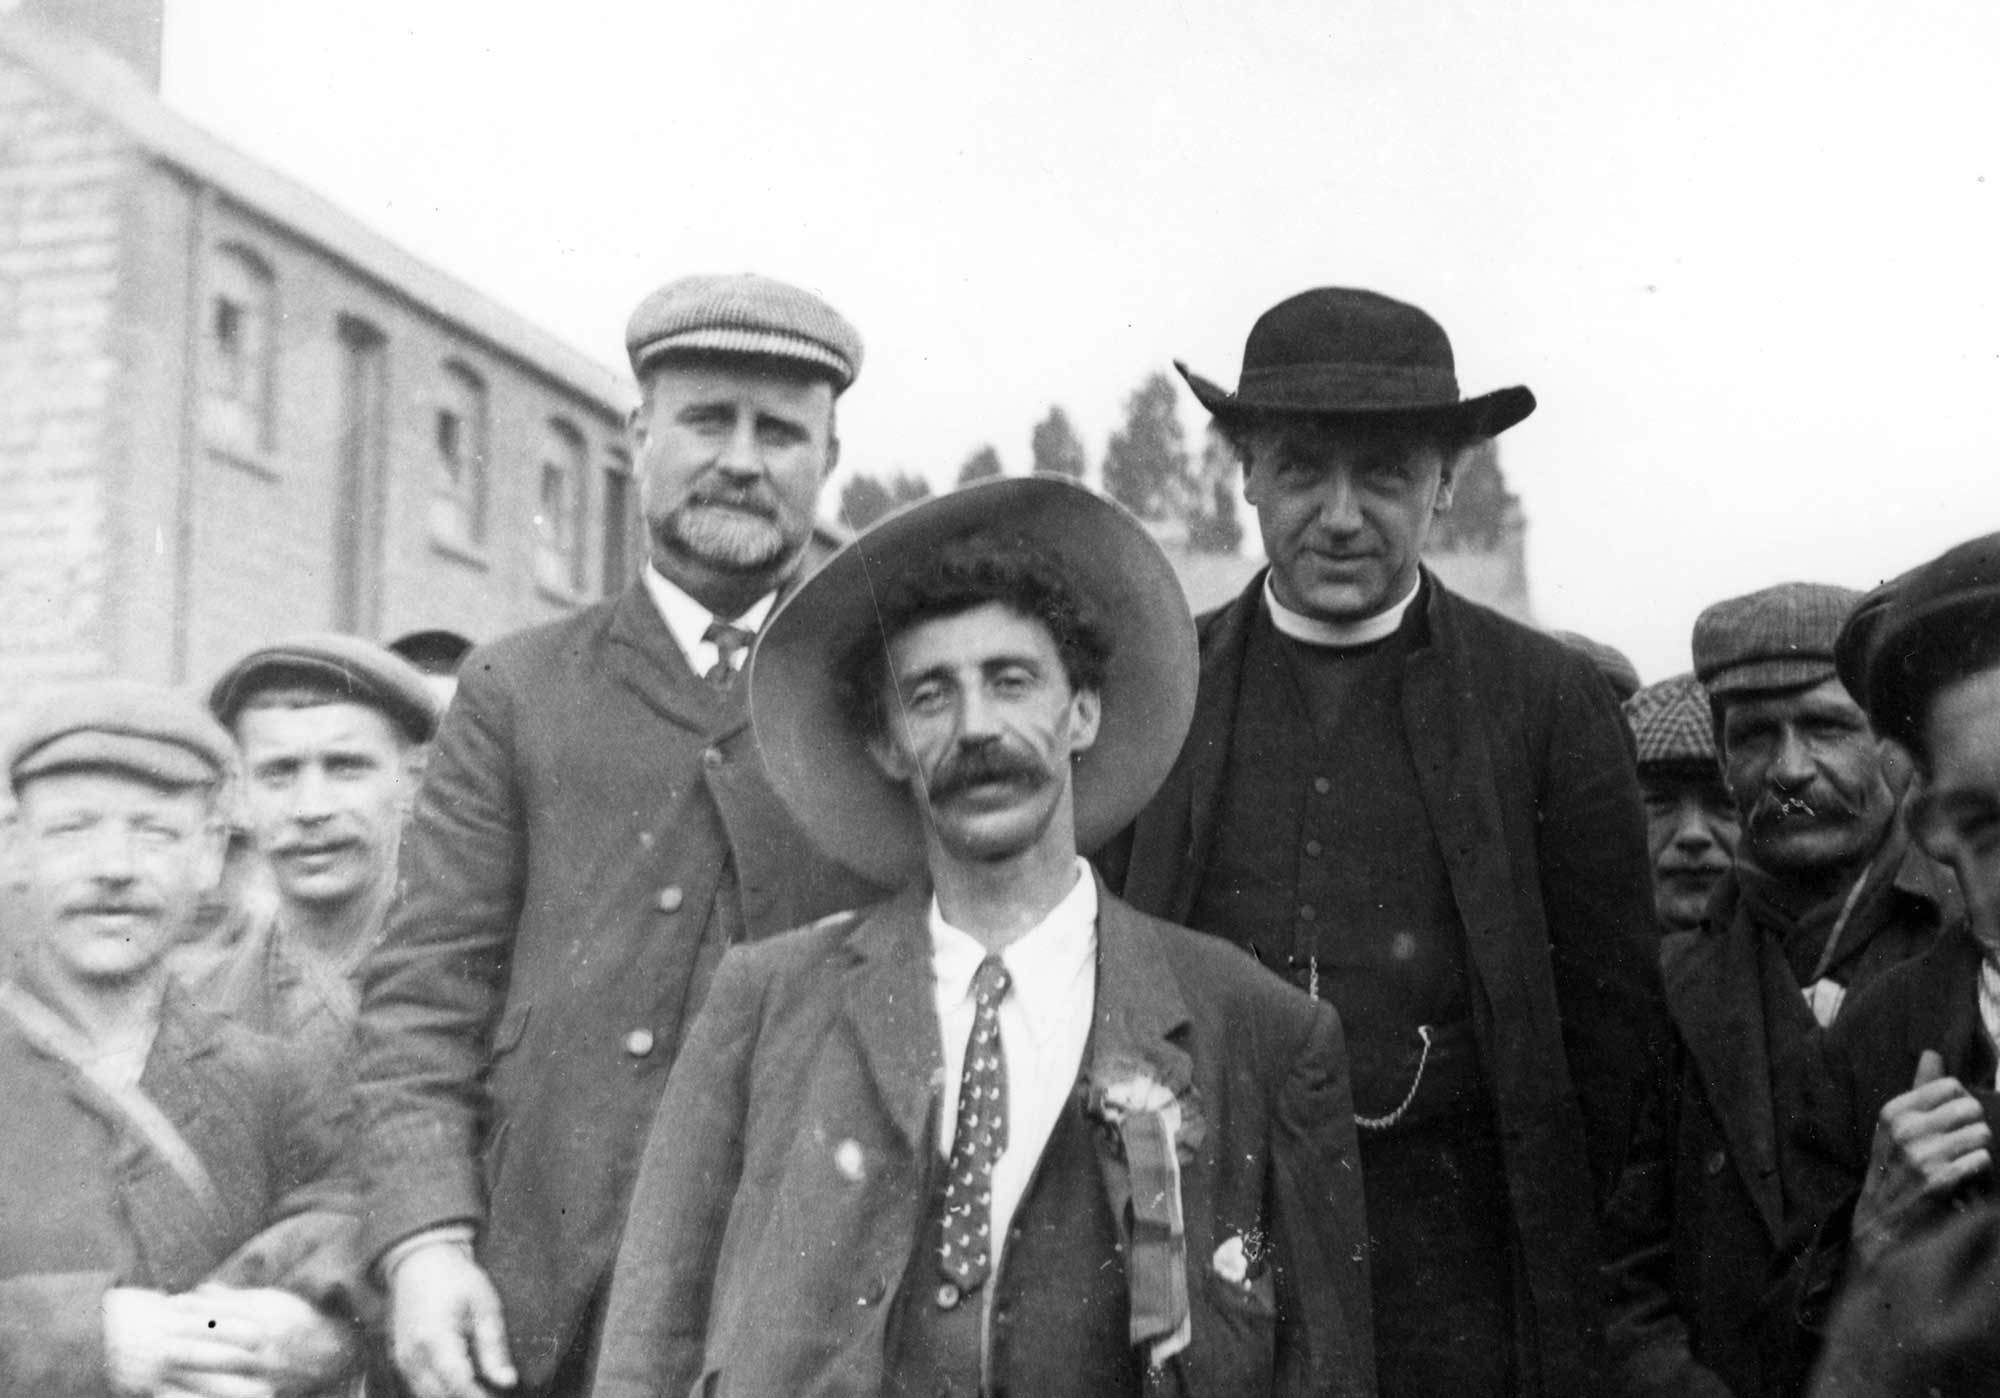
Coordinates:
<point>687,619</point>
<point>1044,1024</point>
<point>1341,635</point>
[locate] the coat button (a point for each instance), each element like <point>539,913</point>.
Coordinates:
<point>1716,1160</point>
<point>1307,912</point>
<point>670,898</point>
<point>947,1296</point>
<point>1322,785</point>
<point>874,1292</point>
<point>639,1042</point>
<point>1313,848</point>
<point>712,758</point>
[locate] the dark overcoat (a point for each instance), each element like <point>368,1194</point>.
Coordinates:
<point>589,802</point>
<point>784,1189</point>
<point>1528,779</point>
<point>86,1206</point>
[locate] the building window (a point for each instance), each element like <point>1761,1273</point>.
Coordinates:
<point>458,482</point>
<point>620,521</point>
<point>559,509</point>
<point>240,343</point>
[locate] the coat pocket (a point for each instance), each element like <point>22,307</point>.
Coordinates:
<point>506,1039</point>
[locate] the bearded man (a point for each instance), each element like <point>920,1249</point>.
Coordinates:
<point>595,828</point>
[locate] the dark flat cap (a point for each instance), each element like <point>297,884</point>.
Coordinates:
<point>1671,722</point>
<point>1856,641</point>
<point>361,670</point>
<point>158,734</point>
<point>1617,668</point>
<point>1780,638</point>
<point>744,314</point>
<point>1942,625</point>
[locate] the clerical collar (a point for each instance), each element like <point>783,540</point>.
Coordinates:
<point>1340,635</point>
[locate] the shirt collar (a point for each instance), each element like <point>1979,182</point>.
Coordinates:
<point>1341,635</point>
<point>1041,964</point>
<point>687,619</point>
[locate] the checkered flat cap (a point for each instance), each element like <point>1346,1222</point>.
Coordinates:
<point>1670,722</point>
<point>1780,638</point>
<point>744,314</point>
<point>158,734</point>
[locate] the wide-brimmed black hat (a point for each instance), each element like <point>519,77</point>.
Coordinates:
<point>820,765</point>
<point>1340,352</point>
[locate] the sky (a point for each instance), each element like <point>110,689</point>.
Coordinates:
<point>1748,257</point>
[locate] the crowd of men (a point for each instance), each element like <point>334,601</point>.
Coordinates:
<point>936,963</point>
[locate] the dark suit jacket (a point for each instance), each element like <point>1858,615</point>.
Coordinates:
<point>589,801</point>
<point>1528,778</point>
<point>85,1206</point>
<point>753,1263</point>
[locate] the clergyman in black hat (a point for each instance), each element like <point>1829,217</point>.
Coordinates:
<point>998,1134</point>
<point>594,828</point>
<point>1425,813</point>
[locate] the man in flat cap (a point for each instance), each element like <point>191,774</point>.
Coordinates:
<point>171,1216</point>
<point>594,829</point>
<point>1426,814</point>
<point>1826,895</point>
<point>329,728</point>
<point>1690,820</point>
<point>1923,1318</point>
<point>1000,1134</point>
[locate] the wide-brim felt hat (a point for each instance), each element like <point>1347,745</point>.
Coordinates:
<point>820,765</point>
<point>1344,353</point>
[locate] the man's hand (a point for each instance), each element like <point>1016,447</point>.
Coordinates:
<point>156,1343</point>
<point>1928,1141</point>
<point>297,1347</point>
<point>445,1324</point>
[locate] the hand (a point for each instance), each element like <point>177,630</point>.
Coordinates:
<point>156,1343</point>
<point>1928,1141</point>
<point>297,1346</point>
<point>445,1320</point>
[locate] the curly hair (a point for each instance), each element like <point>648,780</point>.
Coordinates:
<point>968,571</point>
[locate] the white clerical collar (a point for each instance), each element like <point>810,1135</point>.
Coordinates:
<point>1342,635</point>
<point>687,620</point>
<point>1040,964</point>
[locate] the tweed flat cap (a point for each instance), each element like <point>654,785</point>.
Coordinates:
<point>1780,638</point>
<point>1617,668</point>
<point>364,671</point>
<point>744,314</point>
<point>1671,722</point>
<point>158,734</point>
<point>1942,625</point>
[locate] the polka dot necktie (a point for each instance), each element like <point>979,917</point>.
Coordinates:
<point>729,641</point>
<point>981,1135</point>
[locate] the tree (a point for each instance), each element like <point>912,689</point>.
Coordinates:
<point>864,499</point>
<point>1146,465</point>
<point>1213,526</point>
<point>982,465</point>
<point>1056,449</point>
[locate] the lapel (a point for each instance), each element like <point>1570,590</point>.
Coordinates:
<point>1137,1026</point>
<point>1714,988</point>
<point>1944,1009</point>
<point>891,1004</point>
<point>642,655</point>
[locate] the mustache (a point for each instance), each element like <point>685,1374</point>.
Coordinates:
<point>111,907</point>
<point>977,766</point>
<point>754,498</point>
<point>1774,807</point>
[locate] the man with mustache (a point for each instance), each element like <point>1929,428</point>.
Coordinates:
<point>594,830</point>
<point>1690,820</point>
<point>172,1220</point>
<point>330,729</point>
<point>1425,814</point>
<point>999,1134</point>
<point>1826,895</point>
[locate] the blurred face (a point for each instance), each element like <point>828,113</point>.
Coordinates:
<point>730,464</point>
<point>983,725</point>
<point>1807,776</point>
<point>326,789</point>
<point>1956,813</point>
<point>1344,511</point>
<point>113,868</point>
<point>1691,835</point>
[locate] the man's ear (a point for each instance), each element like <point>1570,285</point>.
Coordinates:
<point>212,852</point>
<point>13,851</point>
<point>1920,813</point>
<point>1454,459</point>
<point>410,777</point>
<point>1086,713</point>
<point>832,458</point>
<point>889,757</point>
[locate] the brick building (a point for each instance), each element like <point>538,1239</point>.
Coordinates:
<point>229,410</point>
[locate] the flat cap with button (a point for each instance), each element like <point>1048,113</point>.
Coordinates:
<point>149,731</point>
<point>744,314</point>
<point>1671,723</point>
<point>365,672</point>
<point>1780,638</point>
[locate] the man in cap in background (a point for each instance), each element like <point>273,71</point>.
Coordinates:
<point>170,1216</point>
<point>595,828</point>
<point>1926,1317</point>
<point>1611,662</point>
<point>1148,1160</point>
<point>1690,820</point>
<point>437,656</point>
<point>1826,895</point>
<point>1426,814</point>
<point>329,728</point>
